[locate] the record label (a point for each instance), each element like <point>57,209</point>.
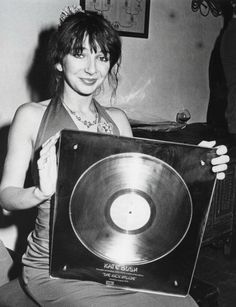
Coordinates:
<point>130,211</point>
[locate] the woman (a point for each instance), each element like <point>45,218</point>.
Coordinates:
<point>85,52</point>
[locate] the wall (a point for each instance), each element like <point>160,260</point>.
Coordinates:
<point>170,69</point>
<point>159,75</point>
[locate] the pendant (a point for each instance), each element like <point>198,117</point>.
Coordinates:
<point>104,127</point>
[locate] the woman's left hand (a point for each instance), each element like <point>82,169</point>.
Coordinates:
<point>47,167</point>
<point>219,164</point>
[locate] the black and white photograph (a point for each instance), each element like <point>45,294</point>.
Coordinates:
<point>118,153</point>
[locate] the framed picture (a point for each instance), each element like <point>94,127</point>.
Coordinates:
<point>129,17</point>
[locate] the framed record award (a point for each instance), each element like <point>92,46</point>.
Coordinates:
<point>129,212</point>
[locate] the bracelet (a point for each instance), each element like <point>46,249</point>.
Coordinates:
<point>39,194</point>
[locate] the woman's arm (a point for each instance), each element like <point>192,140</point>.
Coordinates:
<point>21,139</point>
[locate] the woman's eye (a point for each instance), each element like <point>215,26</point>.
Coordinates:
<point>79,55</point>
<point>104,58</point>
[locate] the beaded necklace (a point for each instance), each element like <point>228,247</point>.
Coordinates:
<point>85,122</point>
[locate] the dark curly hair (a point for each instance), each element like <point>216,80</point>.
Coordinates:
<point>69,38</point>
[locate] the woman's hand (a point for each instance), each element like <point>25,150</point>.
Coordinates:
<point>219,164</point>
<point>47,167</point>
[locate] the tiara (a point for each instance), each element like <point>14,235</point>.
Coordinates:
<point>70,10</point>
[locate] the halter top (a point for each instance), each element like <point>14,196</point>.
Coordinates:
<point>55,118</point>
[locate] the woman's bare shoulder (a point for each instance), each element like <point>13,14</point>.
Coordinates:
<point>31,111</point>
<point>114,111</point>
<point>33,107</point>
<point>121,120</point>
<point>28,117</point>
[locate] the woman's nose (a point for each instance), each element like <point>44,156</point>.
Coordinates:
<point>91,66</point>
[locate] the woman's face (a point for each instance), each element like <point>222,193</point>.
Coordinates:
<point>84,73</point>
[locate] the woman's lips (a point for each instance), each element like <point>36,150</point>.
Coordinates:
<point>89,81</point>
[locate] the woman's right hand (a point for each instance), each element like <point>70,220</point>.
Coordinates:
<point>47,168</point>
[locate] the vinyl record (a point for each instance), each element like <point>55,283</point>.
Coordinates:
<point>130,208</point>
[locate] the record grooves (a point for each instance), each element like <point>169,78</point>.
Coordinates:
<point>133,206</point>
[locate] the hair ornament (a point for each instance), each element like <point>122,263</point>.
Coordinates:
<point>70,10</point>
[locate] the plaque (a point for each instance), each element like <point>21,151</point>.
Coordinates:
<point>130,212</point>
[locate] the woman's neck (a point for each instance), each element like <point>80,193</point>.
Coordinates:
<point>78,103</point>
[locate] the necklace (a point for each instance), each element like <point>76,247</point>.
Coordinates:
<point>85,122</point>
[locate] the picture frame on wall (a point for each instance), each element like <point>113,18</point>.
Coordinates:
<point>129,17</point>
